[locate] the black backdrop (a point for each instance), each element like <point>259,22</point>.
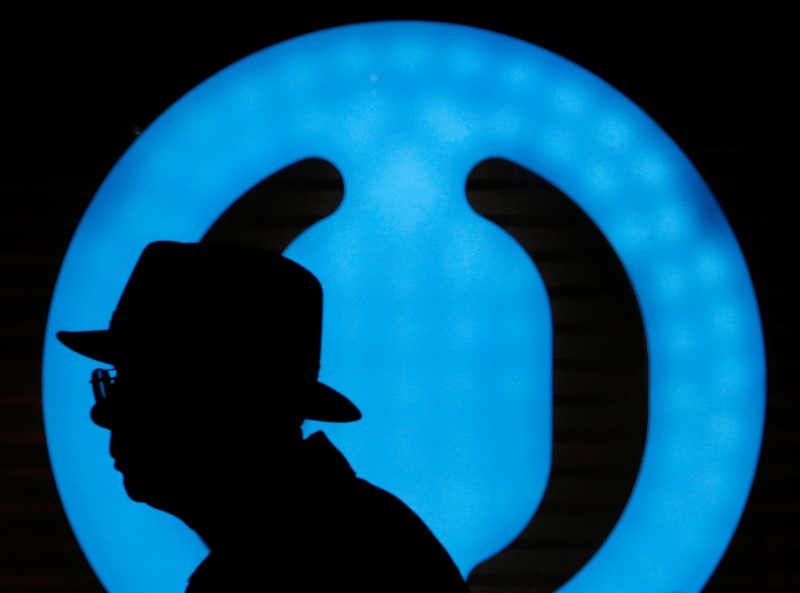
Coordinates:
<point>78,87</point>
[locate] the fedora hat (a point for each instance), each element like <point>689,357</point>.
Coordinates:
<point>222,307</point>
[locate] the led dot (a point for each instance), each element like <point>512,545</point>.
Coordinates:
<point>569,99</point>
<point>410,52</point>
<point>601,179</point>
<point>711,266</point>
<point>671,280</point>
<point>444,117</point>
<point>651,171</point>
<point>673,224</point>
<point>465,60</point>
<point>504,124</point>
<point>614,133</point>
<point>725,320</point>
<point>725,430</point>
<point>519,77</point>
<point>560,145</point>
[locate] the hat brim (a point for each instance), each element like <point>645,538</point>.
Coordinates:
<point>326,404</point>
<point>98,344</point>
<point>321,402</point>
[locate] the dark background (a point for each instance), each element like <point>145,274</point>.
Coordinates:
<point>77,88</point>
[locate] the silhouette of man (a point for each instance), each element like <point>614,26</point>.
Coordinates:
<point>215,352</point>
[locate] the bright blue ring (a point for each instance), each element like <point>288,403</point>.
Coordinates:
<point>707,363</point>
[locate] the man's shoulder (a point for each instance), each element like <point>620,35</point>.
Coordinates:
<point>361,522</point>
<point>373,499</point>
<point>357,505</point>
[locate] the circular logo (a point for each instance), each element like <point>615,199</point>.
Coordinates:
<point>404,110</point>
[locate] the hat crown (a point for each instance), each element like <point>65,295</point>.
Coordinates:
<point>216,309</point>
<point>222,300</point>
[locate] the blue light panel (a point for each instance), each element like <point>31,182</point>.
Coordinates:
<point>436,322</point>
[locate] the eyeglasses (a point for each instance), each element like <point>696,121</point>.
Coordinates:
<point>102,380</point>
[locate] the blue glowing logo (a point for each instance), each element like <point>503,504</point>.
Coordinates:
<point>447,353</point>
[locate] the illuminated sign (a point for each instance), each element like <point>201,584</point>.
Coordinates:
<point>437,324</point>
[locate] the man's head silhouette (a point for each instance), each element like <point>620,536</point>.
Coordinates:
<point>215,352</point>
<point>208,342</point>
<point>228,305</point>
